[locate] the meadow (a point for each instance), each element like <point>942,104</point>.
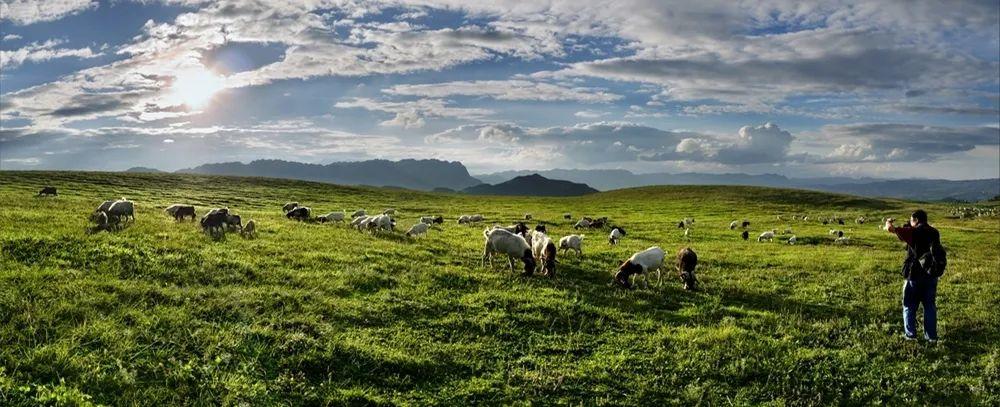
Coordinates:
<point>320,314</point>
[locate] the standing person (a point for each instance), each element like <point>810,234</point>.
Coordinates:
<point>924,264</point>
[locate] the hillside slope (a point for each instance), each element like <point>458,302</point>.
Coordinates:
<point>321,314</point>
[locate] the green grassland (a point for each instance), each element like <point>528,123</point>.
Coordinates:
<point>315,314</point>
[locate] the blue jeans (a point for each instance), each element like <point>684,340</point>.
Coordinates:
<point>916,292</point>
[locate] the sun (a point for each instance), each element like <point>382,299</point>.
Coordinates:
<point>195,87</point>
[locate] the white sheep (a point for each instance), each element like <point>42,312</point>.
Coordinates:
<point>733,225</point>
<point>842,240</point>
<point>793,240</point>
<point>582,223</point>
<point>464,219</point>
<point>333,217</point>
<point>359,212</point>
<point>476,218</point>
<point>382,223</point>
<point>418,229</point>
<point>643,262</point>
<point>427,219</point>
<point>499,241</point>
<point>616,235</point>
<point>361,222</point>
<point>289,206</point>
<point>766,235</point>
<point>544,252</point>
<point>572,242</point>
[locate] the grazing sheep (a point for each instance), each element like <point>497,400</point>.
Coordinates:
<point>767,235</point>
<point>418,229</point>
<point>364,222</point>
<point>572,242</point>
<point>356,221</point>
<point>582,223</point>
<point>48,191</point>
<point>234,223</point>
<point>464,219</point>
<point>688,222</point>
<point>745,235</point>
<point>616,235</point>
<point>527,216</point>
<point>544,252</point>
<point>214,221</point>
<point>860,220</point>
<point>840,233</point>
<point>389,211</point>
<point>476,218</point>
<point>499,241</point>
<point>733,224</point>
<point>179,211</point>
<point>842,240</point>
<point>289,206</point>
<point>300,213</point>
<point>598,223</point>
<point>745,224</point>
<point>122,210</point>
<point>359,212</point>
<point>687,261</point>
<point>427,219</point>
<point>439,219</point>
<point>568,216</point>
<point>793,240</point>
<point>101,219</point>
<point>648,260</point>
<point>382,223</point>
<point>249,230</point>
<point>331,217</point>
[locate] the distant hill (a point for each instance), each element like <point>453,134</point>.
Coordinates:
<point>142,169</point>
<point>532,185</point>
<point>413,174</point>
<point>925,190</point>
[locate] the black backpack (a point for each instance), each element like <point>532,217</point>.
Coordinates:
<point>934,261</point>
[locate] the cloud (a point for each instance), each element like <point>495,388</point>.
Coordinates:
<point>889,142</point>
<point>11,37</point>
<point>506,90</point>
<point>24,12</point>
<point>411,114</point>
<point>41,52</point>
<point>589,114</point>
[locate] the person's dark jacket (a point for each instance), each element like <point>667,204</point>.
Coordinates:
<point>919,240</point>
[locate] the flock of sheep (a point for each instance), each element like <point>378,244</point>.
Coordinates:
<point>517,242</point>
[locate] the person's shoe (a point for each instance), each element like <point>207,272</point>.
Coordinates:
<point>909,338</point>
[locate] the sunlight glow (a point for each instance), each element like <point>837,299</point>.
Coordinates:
<point>195,87</point>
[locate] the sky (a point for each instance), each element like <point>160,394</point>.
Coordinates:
<point>891,89</point>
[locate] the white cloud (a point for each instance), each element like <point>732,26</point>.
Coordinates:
<point>11,37</point>
<point>506,90</point>
<point>41,52</point>
<point>33,11</point>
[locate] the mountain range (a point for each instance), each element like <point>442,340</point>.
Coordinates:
<point>912,189</point>
<point>532,185</point>
<point>413,174</point>
<point>441,175</point>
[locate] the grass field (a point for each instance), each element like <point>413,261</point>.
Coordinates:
<point>160,314</point>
